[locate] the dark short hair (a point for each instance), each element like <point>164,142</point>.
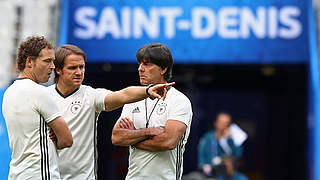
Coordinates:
<point>31,47</point>
<point>62,53</point>
<point>158,54</point>
<point>225,113</point>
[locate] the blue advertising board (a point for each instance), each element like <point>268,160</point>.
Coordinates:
<point>5,152</point>
<point>314,100</point>
<point>206,31</point>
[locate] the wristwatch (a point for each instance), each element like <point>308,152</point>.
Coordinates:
<point>147,90</point>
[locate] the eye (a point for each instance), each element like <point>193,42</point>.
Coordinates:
<point>71,67</point>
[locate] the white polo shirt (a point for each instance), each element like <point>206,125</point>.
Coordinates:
<point>166,165</point>
<point>80,110</point>
<point>27,109</point>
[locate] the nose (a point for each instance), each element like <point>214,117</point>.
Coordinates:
<point>140,68</point>
<point>52,66</point>
<point>78,70</point>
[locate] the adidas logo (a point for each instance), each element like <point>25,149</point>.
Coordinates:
<point>136,110</point>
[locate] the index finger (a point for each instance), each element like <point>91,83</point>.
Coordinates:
<point>170,84</point>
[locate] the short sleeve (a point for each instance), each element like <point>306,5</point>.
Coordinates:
<point>126,112</point>
<point>99,95</point>
<point>46,106</point>
<point>181,111</point>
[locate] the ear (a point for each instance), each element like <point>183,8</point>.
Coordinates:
<point>59,71</point>
<point>29,62</point>
<point>163,71</point>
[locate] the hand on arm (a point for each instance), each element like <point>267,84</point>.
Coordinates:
<point>52,136</point>
<point>60,133</point>
<point>126,123</point>
<point>168,140</point>
<point>131,94</point>
<point>125,134</point>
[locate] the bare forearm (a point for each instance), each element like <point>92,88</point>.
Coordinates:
<point>157,143</point>
<point>168,140</point>
<point>133,94</point>
<point>125,96</point>
<point>61,145</point>
<point>60,133</point>
<point>127,137</point>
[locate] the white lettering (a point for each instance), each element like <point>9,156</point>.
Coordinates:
<point>257,25</point>
<point>170,15</point>
<point>272,22</point>
<point>141,22</point>
<point>108,24</point>
<point>228,21</point>
<point>125,22</point>
<point>82,17</point>
<point>293,27</point>
<point>199,14</point>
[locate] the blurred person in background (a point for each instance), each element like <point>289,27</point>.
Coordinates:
<point>218,152</point>
<point>81,105</point>
<point>158,156</point>
<point>29,110</point>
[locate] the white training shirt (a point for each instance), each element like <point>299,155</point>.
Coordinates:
<point>27,109</point>
<point>80,110</point>
<point>166,165</point>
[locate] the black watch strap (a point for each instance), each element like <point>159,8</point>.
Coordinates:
<point>147,90</point>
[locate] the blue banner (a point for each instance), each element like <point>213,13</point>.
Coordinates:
<point>314,100</point>
<point>206,31</point>
<point>5,152</point>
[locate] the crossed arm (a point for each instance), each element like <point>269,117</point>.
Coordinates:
<point>60,133</point>
<point>129,136</point>
<point>166,140</point>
